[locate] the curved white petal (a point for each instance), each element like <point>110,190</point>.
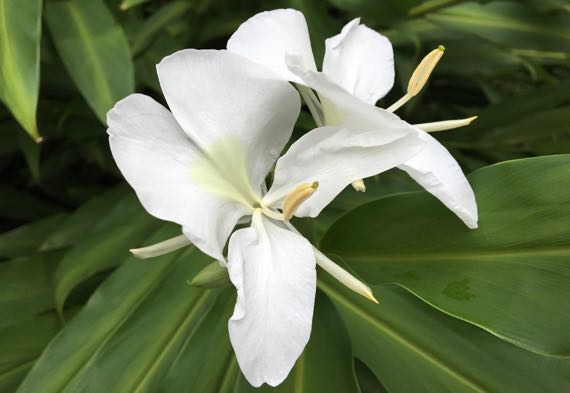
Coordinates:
<point>334,157</point>
<point>268,37</point>
<point>343,108</point>
<point>438,172</point>
<point>273,270</point>
<point>155,156</point>
<point>218,95</point>
<point>360,60</point>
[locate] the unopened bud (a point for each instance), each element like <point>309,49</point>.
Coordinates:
<point>423,70</point>
<point>213,275</point>
<point>296,197</point>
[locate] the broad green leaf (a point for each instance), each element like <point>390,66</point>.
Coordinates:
<point>26,287</point>
<point>199,368</point>
<point>93,49</point>
<point>20,32</point>
<point>509,276</point>
<point>366,379</point>
<point>21,344</point>
<point>412,347</point>
<point>130,330</point>
<point>125,226</point>
<point>26,239</point>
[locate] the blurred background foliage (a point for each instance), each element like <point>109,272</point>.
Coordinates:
<point>67,219</point>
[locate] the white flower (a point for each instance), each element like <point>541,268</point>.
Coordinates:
<point>204,166</point>
<point>357,71</point>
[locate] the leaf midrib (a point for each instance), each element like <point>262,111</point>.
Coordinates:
<point>158,279</point>
<point>194,308</point>
<point>414,347</point>
<point>378,255</point>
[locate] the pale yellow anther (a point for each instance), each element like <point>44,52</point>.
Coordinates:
<point>359,185</point>
<point>296,197</point>
<point>419,77</point>
<point>423,70</point>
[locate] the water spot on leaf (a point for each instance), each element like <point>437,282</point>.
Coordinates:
<point>459,290</point>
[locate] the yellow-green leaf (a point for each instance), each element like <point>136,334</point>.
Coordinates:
<point>20,32</point>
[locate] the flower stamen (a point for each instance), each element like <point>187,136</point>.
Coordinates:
<point>296,197</point>
<point>419,77</point>
<point>445,125</point>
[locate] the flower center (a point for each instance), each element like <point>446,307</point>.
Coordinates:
<point>222,171</point>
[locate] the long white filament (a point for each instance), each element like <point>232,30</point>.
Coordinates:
<point>161,248</point>
<point>445,125</point>
<point>313,104</point>
<point>345,278</point>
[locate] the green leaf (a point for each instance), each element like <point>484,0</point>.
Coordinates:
<point>509,276</point>
<point>25,287</point>
<point>156,24</point>
<point>197,365</point>
<point>84,219</point>
<point>21,344</point>
<point>508,23</point>
<point>23,205</point>
<point>130,331</point>
<point>93,49</point>
<point>26,239</point>
<point>545,132</point>
<point>20,32</point>
<point>412,347</point>
<point>124,227</point>
<point>31,152</point>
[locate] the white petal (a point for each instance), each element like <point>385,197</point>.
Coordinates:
<point>343,108</point>
<point>438,172</point>
<point>155,156</point>
<point>361,61</point>
<point>268,37</point>
<point>218,95</point>
<point>273,270</point>
<point>335,157</point>
<point>365,141</point>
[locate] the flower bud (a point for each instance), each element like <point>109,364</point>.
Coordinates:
<point>213,275</point>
